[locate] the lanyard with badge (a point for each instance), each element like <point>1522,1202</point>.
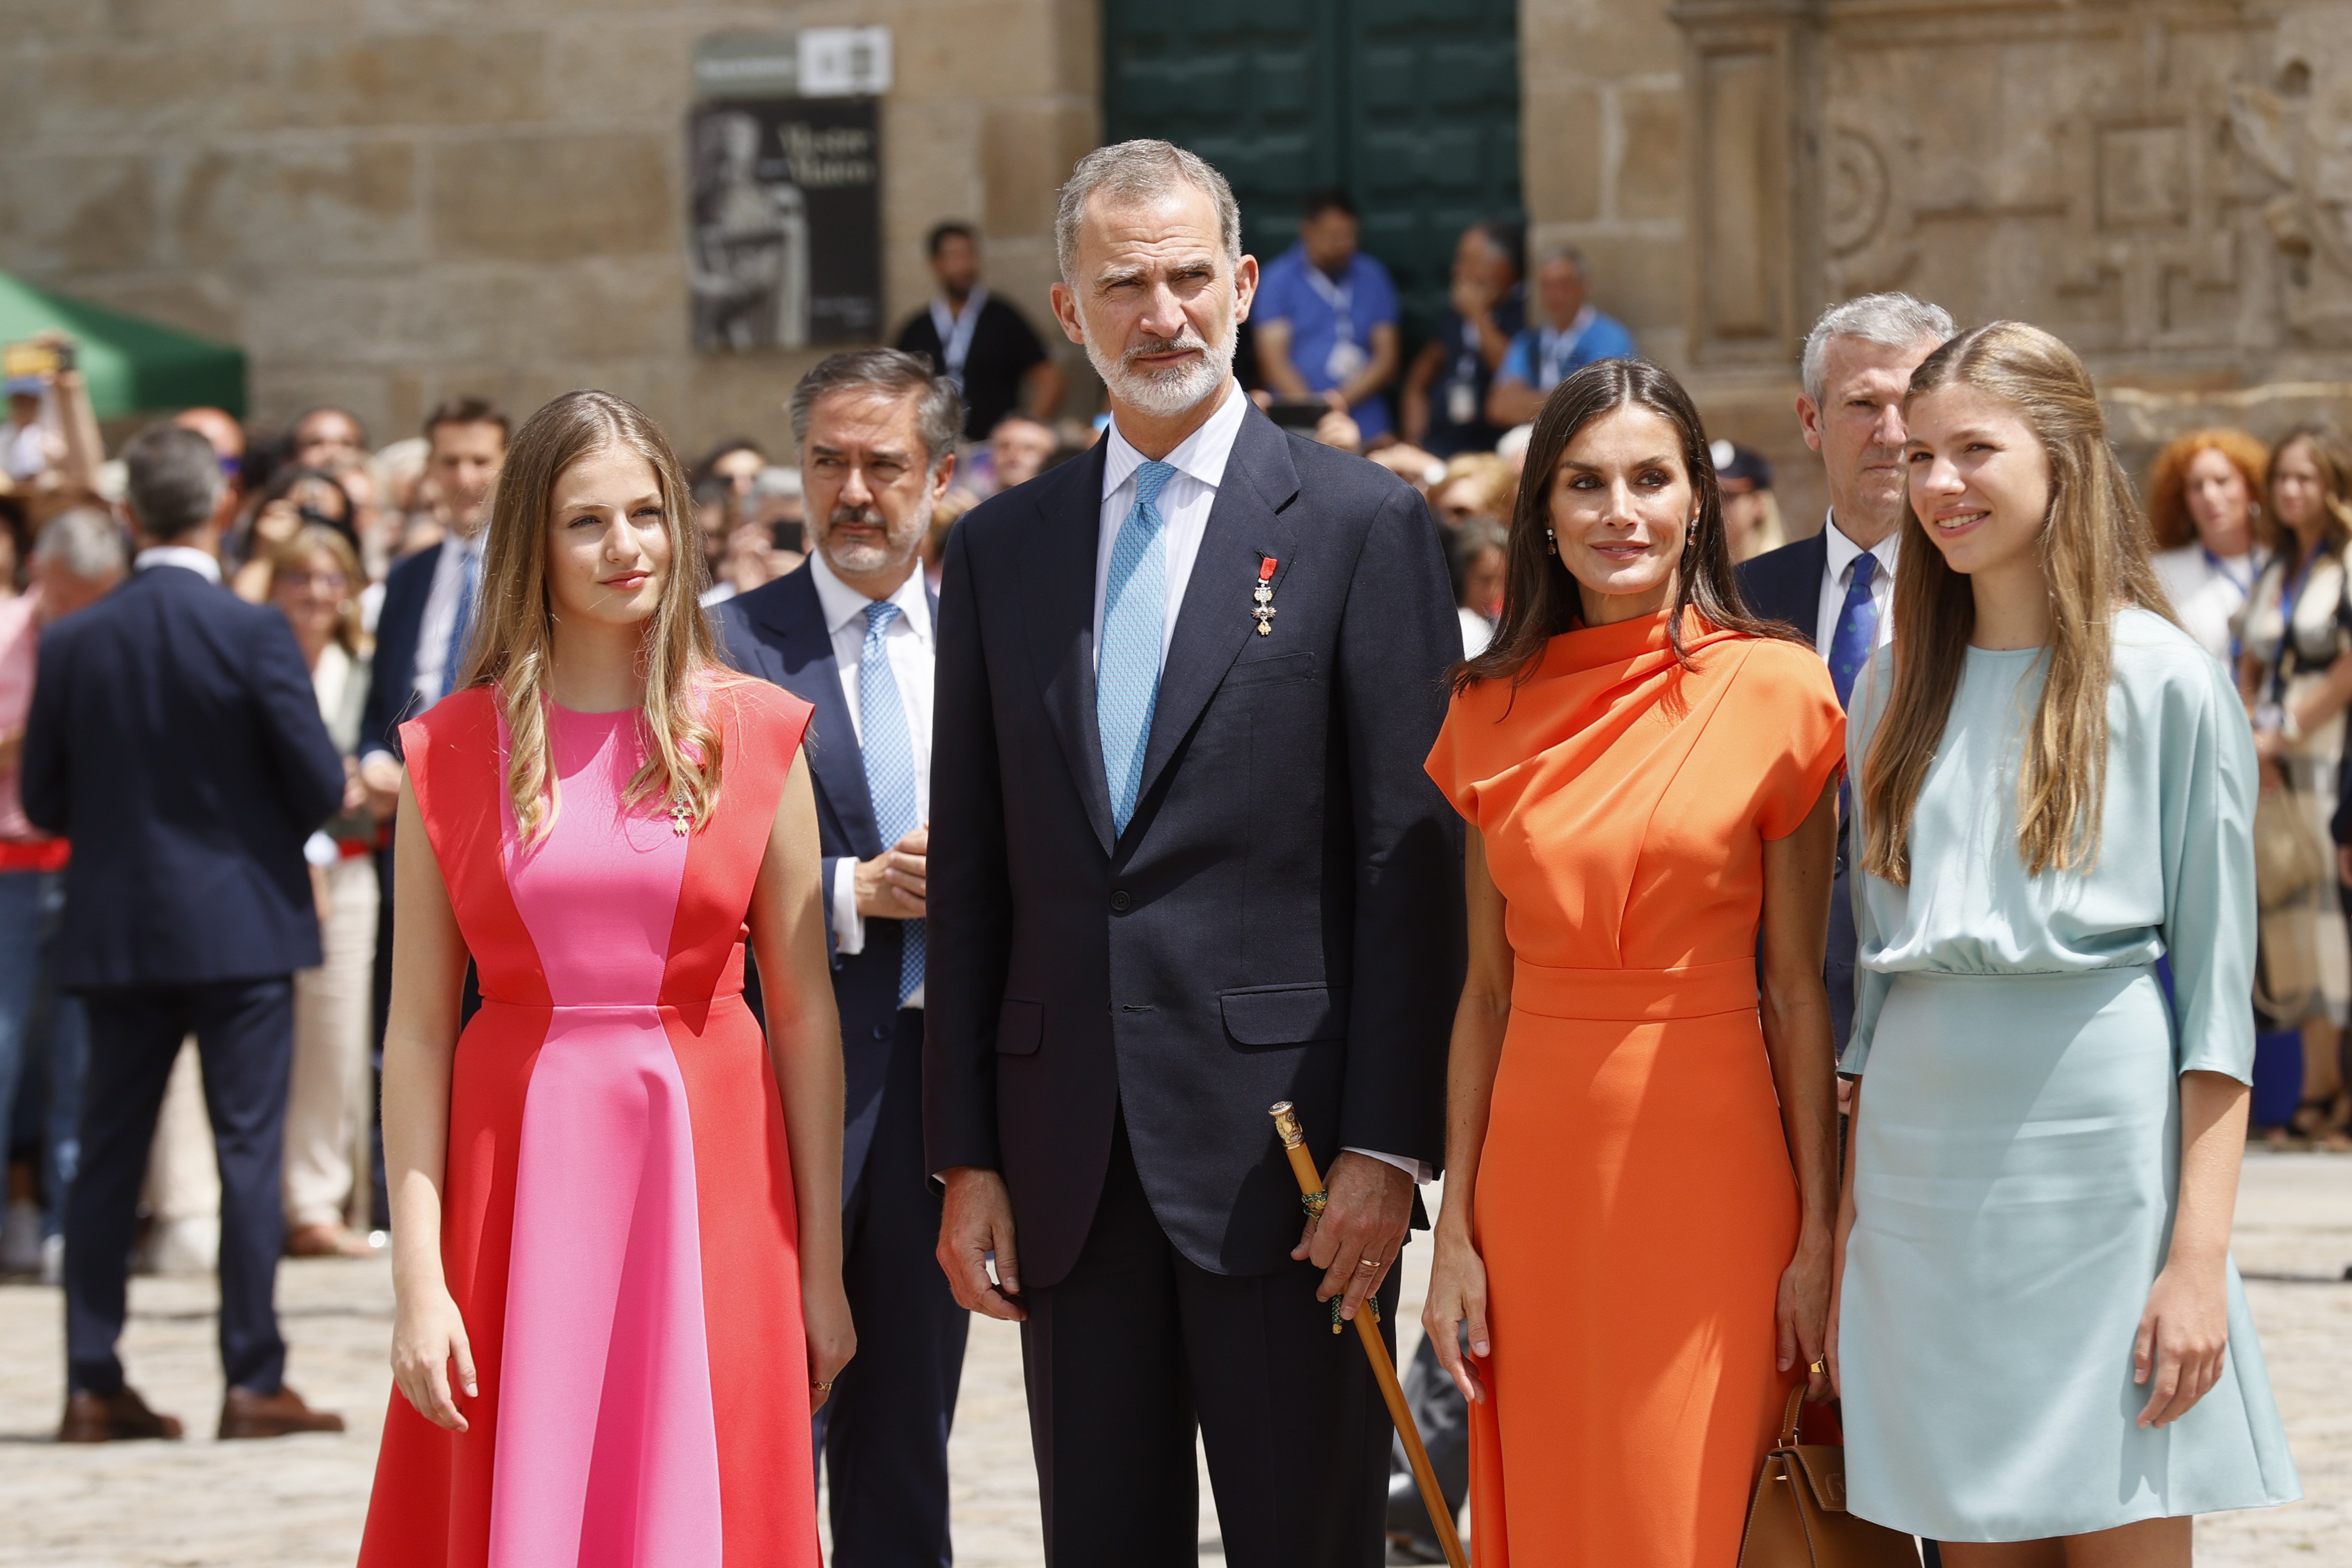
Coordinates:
<point>955,332</point>
<point>1556,346</point>
<point>1462,392</point>
<point>2245,587</point>
<point>1347,357</point>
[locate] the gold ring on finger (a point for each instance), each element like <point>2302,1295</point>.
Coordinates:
<point>1368,1263</point>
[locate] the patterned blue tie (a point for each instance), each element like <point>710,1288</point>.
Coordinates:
<point>1856,637</point>
<point>461,625</point>
<point>1135,620</point>
<point>889,765</point>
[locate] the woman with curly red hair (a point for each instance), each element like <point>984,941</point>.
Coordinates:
<point>2204,502</point>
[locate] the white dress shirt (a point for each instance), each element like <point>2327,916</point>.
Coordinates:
<point>1184,503</point>
<point>1837,575</point>
<point>908,643</point>
<point>440,616</point>
<point>202,562</point>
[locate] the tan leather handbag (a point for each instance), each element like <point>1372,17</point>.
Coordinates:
<point>2287,863</point>
<point>1798,1517</point>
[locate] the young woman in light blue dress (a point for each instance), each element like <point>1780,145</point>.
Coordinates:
<point>2043,1348</point>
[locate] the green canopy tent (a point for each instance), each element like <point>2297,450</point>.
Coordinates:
<point>131,366</point>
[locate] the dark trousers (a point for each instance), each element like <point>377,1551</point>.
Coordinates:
<point>245,1036</point>
<point>884,1433</point>
<point>1137,1345</point>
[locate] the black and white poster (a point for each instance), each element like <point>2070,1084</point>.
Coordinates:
<point>784,230</point>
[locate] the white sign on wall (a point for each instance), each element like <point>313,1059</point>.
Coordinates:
<point>844,62</point>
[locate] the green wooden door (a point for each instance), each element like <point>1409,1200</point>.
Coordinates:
<point>1410,106</point>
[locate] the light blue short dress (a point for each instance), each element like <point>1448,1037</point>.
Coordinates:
<point>2017,1151</point>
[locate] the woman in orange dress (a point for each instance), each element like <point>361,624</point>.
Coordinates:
<point>1640,1179</point>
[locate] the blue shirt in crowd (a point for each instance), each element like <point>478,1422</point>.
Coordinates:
<point>1331,323</point>
<point>1542,354</point>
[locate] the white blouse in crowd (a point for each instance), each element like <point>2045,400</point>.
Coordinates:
<point>2209,592</point>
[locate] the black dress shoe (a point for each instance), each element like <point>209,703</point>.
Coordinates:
<point>115,1418</point>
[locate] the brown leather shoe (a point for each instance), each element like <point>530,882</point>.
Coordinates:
<point>328,1241</point>
<point>112,1418</point>
<point>245,1413</point>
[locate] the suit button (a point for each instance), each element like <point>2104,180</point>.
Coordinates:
<point>879,1031</point>
<point>1120,901</point>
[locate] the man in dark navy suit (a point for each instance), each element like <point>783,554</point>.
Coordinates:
<point>1191,865</point>
<point>1837,586</point>
<point>175,738</point>
<point>851,633</point>
<point>426,618</point>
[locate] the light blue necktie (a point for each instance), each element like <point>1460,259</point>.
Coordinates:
<point>889,765</point>
<point>1135,621</point>
<point>461,625</point>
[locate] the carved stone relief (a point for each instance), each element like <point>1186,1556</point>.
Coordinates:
<point>2167,184</point>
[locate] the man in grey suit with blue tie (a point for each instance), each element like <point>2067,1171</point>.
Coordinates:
<point>851,633</point>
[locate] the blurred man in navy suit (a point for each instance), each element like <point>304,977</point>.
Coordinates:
<point>851,633</point>
<point>175,738</point>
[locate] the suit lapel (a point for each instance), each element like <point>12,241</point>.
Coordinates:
<point>802,659</point>
<point>1057,593</point>
<point>1244,527</point>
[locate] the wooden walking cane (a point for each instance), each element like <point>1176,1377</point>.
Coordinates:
<point>1376,1350</point>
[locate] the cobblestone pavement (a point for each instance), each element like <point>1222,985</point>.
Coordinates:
<point>298,1502</point>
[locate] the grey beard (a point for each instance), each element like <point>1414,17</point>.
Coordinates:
<point>1166,394</point>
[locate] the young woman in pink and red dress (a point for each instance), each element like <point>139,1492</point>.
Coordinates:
<point>615,1206</point>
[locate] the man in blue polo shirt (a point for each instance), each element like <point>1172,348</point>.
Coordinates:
<point>1325,319</point>
<point>1569,335</point>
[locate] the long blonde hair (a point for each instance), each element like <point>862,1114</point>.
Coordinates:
<point>514,627</point>
<point>317,538</point>
<point>2095,559</point>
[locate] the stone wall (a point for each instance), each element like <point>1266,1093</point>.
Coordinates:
<point>2165,183</point>
<point>388,201</point>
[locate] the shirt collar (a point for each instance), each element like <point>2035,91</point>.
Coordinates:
<point>1201,454</point>
<point>843,604</point>
<point>188,557</point>
<point>1586,314</point>
<point>1842,549</point>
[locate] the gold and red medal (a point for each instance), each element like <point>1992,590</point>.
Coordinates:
<point>1264,594</point>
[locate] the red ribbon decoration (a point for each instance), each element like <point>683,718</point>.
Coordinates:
<point>1265,569</point>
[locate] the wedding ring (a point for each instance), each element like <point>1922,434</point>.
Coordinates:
<point>1368,1263</point>
<point>1821,1366</point>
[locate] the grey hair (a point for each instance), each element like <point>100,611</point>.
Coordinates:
<point>173,481</point>
<point>84,541</point>
<point>1567,252</point>
<point>1137,170</point>
<point>1890,320</point>
<point>886,373</point>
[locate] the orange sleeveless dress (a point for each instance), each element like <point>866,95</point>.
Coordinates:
<point>1635,1204</point>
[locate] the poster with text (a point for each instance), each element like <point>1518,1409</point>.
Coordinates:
<point>784,240</point>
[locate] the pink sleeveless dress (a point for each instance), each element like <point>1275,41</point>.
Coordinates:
<point>618,1224</point>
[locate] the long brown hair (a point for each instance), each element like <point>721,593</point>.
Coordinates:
<point>514,630</point>
<point>2335,466</point>
<point>2095,559</point>
<point>1539,595</point>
